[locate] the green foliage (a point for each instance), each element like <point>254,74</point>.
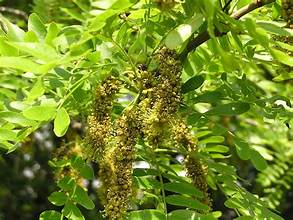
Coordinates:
<point>233,113</point>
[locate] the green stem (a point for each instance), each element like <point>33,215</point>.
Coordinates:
<point>154,162</point>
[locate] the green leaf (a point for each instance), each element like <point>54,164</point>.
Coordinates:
<point>192,84</point>
<point>6,49</point>
<point>235,203</point>
<point>40,113</point>
<point>212,139</point>
<point>242,148</point>
<point>217,148</point>
<point>186,202</point>
<point>7,135</point>
<point>209,97</point>
<point>16,118</point>
<point>183,32</point>
<point>73,13</point>
<point>230,109</point>
<point>58,198</point>
<point>14,33</point>
<point>87,172</point>
<point>77,162</point>
<point>147,214</point>
<point>61,122</point>
<point>183,188</point>
<point>82,198</point>
<point>36,25</point>
<point>53,31</point>
<point>273,28</point>
<point>38,50</point>
<point>284,76</point>
<point>258,161</point>
<point>31,36</point>
<point>282,57</point>
<point>72,212</point>
<point>19,63</point>
<point>245,218</point>
<point>189,215</point>
<point>37,90</point>
<point>50,215</point>
<point>146,183</point>
<point>63,73</point>
<point>66,183</point>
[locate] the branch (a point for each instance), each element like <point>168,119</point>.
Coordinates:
<point>14,11</point>
<point>204,36</point>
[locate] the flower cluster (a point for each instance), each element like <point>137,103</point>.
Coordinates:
<point>65,153</point>
<point>152,117</point>
<point>99,123</point>
<point>195,169</point>
<point>112,145</point>
<point>161,96</point>
<point>287,6</point>
<point>122,157</point>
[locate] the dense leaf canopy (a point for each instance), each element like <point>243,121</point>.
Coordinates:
<point>146,109</point>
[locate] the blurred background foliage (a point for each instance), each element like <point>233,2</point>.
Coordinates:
<point>26,178</point>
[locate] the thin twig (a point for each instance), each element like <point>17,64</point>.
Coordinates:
<point>204,36</point>
<point>14,11</point>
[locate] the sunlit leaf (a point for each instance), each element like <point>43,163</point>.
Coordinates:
<point>61,122</point>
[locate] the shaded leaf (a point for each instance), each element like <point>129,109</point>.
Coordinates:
<point>82,198</point>
<point>230,109</point>
<point>58,198</point>
<point>258,161</point>
<point>242,148</point>
<point>183,188</point>
<point>149,214</point>
<point>192,84</point>
<point>186,202</point>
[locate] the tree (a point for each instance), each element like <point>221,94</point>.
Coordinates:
<point>167,106</point>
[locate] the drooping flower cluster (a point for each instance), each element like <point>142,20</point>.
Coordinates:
<point>161,96</point>
<point>195,169</point>
<point>99,123</point>
<point>153,117</point>
<point>112,146</point>
<point>122,157</point>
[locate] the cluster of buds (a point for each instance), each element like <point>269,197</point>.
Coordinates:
<point>287,6</point>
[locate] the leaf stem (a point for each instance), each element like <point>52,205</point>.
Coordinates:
<point>154,162</point>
